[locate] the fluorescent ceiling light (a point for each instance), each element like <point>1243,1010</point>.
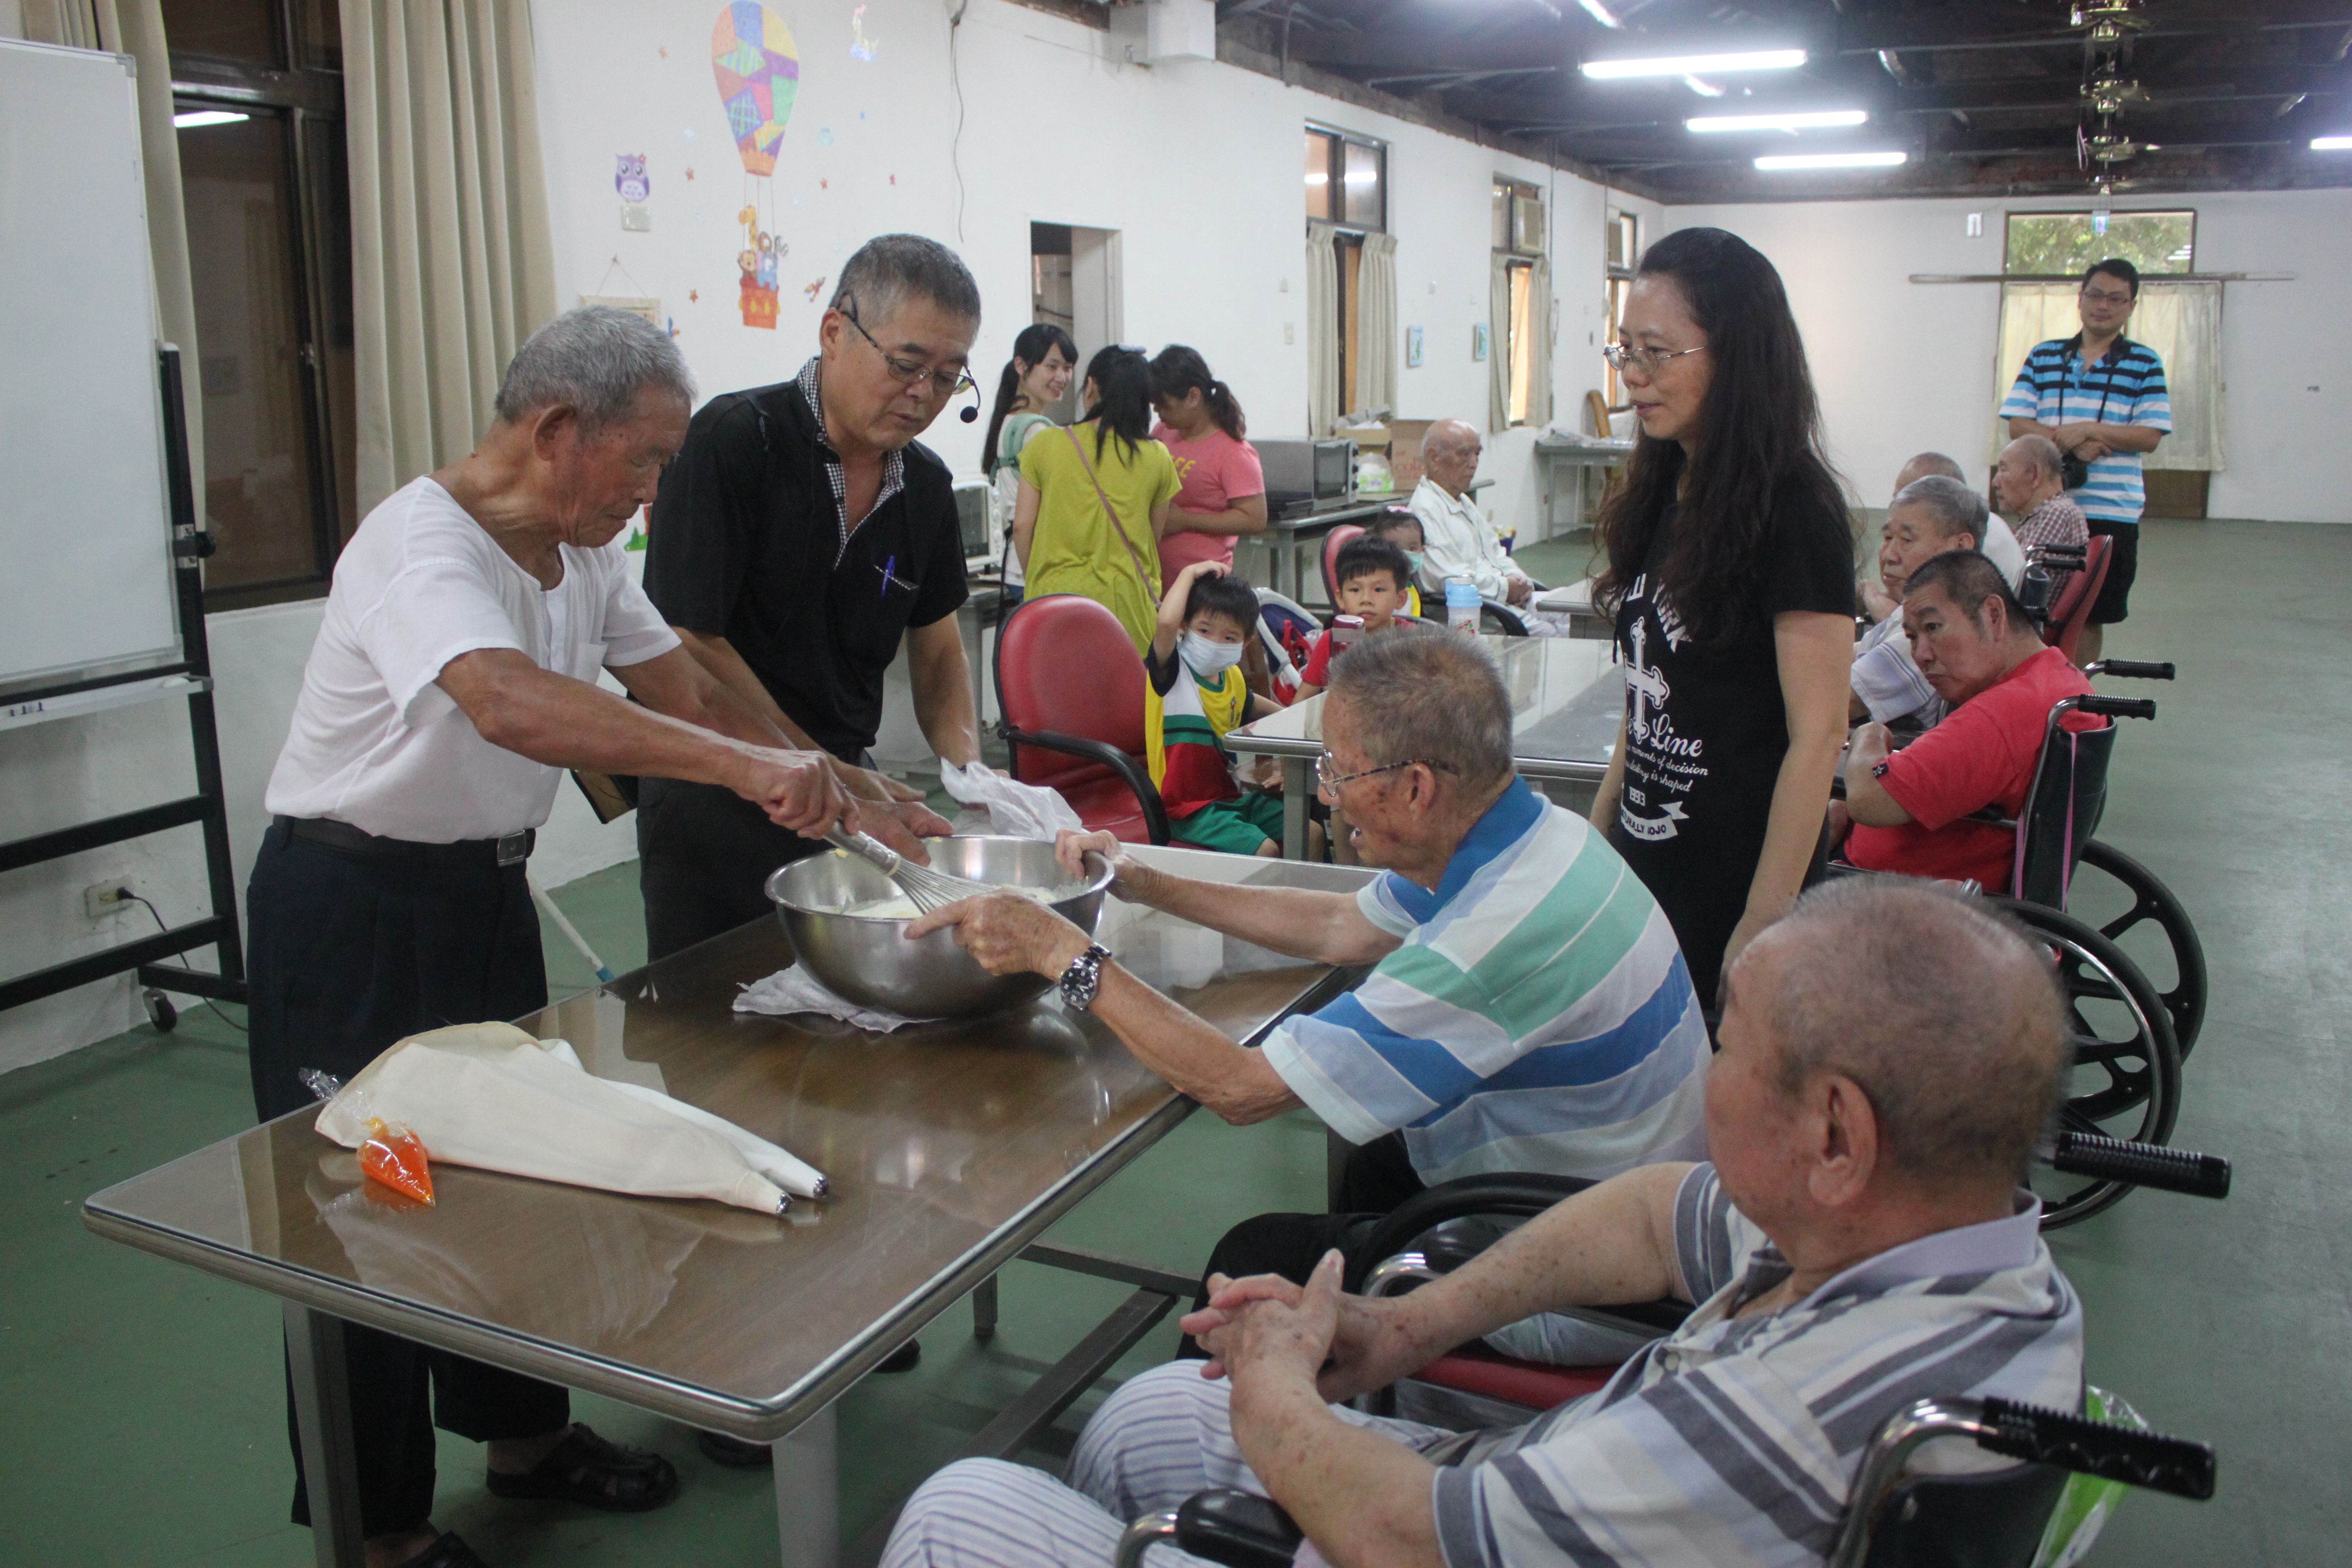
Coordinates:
<point>1832,159</point>
<point>1686,65</point>
<point>1600,13</point>
<point>1703,89</point>
<point>189,120</point>
<point>1813,121</point>
<point>2331,143</point>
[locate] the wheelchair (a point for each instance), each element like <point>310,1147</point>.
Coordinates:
<point>2006,1518</point>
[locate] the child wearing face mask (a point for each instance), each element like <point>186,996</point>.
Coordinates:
<point>1195,693</point>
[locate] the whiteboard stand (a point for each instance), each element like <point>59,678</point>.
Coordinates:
<point>189,677</point>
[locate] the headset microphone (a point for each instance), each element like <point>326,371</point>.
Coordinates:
<point>969,415</point>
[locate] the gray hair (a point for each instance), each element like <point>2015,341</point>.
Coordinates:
<point>888,269</point>
<point>595,360</point>
<point>1936,463</point>
<point>1430,696</point>
<point>2042,453</point>
<point>1943,1012</point>
<point>1950,505</point>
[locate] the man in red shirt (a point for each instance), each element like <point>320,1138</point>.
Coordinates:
<point>1977,648</point>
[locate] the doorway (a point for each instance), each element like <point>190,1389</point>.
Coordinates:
<point>1075,283</point>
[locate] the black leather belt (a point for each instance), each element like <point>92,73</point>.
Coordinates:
<point>511,851</point>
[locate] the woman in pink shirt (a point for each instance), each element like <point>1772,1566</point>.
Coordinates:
<point>1223,493</point>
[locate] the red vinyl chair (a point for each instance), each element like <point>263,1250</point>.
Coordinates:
<point>1333,543</point>
<point>2072,612</point>
<point>1070,686</point>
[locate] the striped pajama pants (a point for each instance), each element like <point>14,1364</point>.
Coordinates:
<point>1161,1437</point>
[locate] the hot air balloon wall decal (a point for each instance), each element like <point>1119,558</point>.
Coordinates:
<point>759,75</point>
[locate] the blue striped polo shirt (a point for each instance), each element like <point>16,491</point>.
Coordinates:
<point>2124,387</point>
<point>1537,1017</point>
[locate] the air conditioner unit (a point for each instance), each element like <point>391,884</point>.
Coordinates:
<point>1527,223</point>
<point>1151,31</point>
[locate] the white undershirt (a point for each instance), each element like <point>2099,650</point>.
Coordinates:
<point>374,742</point>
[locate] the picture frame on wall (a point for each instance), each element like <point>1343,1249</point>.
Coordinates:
<point>1412,348</point>
<point>1478,343</point>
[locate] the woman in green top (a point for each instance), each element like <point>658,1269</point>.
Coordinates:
<point>1066,538</point>
<point>1034,379</point>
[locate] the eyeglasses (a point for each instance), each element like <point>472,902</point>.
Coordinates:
<point>2105,297</point>
<point>1329,782</point>
<point>1646,361</point>
<point>910,372</point>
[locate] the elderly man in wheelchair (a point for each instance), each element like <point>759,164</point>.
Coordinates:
<point>1890,1056</point>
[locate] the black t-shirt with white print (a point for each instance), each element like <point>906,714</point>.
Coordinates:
<point>1705,728</point>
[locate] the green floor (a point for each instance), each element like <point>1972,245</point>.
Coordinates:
<point>144,1418</point>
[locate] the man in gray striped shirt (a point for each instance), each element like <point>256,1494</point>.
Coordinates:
<point>1890,1053</point>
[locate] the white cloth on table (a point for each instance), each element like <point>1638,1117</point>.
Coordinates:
<point>795,990</point>
<point>1457,541</point>
<point>490,1096</point>
<point>374,742</point>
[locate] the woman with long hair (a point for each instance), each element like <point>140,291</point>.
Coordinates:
<point>1095,500</point>
<point>1034,380</point>
<point>1201,424</point>
<point>1730,577</point>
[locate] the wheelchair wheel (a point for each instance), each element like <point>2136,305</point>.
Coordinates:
<point>2139,913</point>
<point>2124,1082</point>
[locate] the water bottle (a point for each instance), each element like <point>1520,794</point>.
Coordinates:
<point>1462,603</point>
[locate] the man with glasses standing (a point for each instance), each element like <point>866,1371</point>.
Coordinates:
<point>2101,397</point>
<point>1528,1008</point>
<point>800,536</point>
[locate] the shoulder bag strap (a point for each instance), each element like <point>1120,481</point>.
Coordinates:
<point>1109,510</point>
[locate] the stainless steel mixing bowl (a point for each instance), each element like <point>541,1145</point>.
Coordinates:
<point>867,959</point>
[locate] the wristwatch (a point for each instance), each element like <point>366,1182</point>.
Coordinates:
<point>1084,977</point>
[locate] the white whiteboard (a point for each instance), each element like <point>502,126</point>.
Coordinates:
<point>85,513</point>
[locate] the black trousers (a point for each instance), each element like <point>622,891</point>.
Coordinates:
<point>1377,1178</point>
<point>704,857</point>
<point>348,954</point>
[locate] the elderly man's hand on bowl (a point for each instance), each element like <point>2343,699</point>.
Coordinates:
<point>1071,847</point>
<point>1009,933</point>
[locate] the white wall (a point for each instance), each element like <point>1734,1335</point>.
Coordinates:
<point>1904,367</point>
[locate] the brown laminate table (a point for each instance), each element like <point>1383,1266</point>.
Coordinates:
<point>949,1148</point>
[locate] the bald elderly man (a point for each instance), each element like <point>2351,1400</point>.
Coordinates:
<point>1457,539</point>
<point>2030,484</point>
<point>1890,1054</point>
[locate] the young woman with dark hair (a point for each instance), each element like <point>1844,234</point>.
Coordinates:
<point>1034,380</point>
<point>1201,424</point>
<point>1730,576</point>
<point>1095,502</point>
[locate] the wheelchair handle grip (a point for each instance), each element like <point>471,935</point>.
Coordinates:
<point>2142,1164</point>
<point>2095,1448</point>
<point>1238,1529</point>
<point>2117,707</point>
<point>2137,670</point>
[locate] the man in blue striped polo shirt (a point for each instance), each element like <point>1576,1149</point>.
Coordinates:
<point>1528,1009</point>
<point>2101,398</point>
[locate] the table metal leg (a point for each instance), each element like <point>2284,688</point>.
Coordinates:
<point>1297,780</point>
<point>984,1309</point>
<point>322,1410</point>
<point>808,1493</point>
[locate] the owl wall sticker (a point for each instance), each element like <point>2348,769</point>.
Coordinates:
<point>630,178</point>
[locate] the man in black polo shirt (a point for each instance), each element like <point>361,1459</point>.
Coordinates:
<point>799,536</point>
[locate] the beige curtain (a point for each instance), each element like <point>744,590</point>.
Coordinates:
<point>452,255</point>
<point>1375,327</point>
<point>135,28</point>
<point>1322,329</point>
<point>2181,321</point>
<point>1498,343</point>
<point>1540,346</point>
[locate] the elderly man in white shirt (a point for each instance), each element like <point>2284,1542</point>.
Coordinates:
<point>1457,539</point>
<point>453,677</point>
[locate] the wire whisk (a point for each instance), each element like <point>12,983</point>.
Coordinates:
<point>926,888</point>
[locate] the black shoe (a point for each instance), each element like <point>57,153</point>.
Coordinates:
<point>447,1551</point>
<point>733,1452</point>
